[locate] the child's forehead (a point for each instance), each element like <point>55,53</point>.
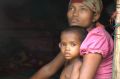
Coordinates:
<point>70,35</point>
<point>76,33</point>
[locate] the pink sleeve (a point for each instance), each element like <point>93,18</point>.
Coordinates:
<point>96,43</point>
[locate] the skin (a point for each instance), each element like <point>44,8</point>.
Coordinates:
<point>72,70</point>
<point>70,46</point>
<point>80,15</point>
<point>89,66</point>
<point>76,69</point>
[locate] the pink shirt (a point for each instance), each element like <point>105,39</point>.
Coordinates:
<point>98,40</point>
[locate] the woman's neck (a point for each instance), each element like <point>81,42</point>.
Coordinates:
<point>91,27</point>
<point>97,24</point>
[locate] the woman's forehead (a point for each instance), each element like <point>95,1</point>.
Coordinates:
<point>79,5</point>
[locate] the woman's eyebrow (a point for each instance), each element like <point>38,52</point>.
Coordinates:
<point>71,6</point>
<point>82,6</point>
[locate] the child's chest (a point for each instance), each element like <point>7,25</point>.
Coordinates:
<point>66,73</point>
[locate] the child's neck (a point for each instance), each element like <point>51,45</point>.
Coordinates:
<point>72,61</point>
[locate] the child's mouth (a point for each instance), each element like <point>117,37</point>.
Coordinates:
<point>67,54</point>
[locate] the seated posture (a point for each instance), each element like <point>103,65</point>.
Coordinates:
<point>71,39</point>
<point>96,49</point>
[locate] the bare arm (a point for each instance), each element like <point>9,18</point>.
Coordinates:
<point>89,66</point>
<point>50,69</point>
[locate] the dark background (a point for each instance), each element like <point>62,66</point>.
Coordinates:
<point>29,33</point>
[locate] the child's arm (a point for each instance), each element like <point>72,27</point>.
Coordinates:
<point>50,69</point>
<point>89,66</point>
<point>76,70</point>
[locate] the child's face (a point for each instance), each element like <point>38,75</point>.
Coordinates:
<point>70,45</point>
<point>79,15</point>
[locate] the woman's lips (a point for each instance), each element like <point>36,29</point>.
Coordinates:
<point>75,21</point>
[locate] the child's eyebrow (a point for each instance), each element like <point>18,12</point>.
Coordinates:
<point>73,42</point>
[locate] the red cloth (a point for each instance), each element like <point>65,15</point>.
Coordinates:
<point>78,1</point>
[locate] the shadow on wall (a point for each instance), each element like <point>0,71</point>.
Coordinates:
<point>23,44</point>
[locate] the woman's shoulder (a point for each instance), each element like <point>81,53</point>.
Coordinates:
<point>99,32</point>
<point>96,37</point>
<point>99,29</point>
<point>98,40</point>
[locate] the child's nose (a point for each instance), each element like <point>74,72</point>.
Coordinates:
<point>67,48</point>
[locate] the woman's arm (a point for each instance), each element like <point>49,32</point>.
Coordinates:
<point>90,65</point>
<point>50,69</point>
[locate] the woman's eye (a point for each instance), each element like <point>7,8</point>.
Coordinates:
<point>83,9</point>
<point>70,8</point>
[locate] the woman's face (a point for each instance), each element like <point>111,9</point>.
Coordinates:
<point>80,15</point>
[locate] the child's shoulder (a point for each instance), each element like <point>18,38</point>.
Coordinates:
<point>78,62</point>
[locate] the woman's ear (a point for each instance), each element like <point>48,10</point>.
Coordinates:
<point>96,17</point>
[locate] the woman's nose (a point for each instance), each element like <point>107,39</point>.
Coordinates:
<point>76,13</point>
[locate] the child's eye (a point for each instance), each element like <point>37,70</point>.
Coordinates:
<point>73,44</point>
<point>63,44</point>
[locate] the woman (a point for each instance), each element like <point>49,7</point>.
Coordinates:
<point>96,49</point>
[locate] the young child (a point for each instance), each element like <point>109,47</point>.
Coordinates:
<point>71,39</point>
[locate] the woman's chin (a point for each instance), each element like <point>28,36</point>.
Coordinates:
<point>74,24</point>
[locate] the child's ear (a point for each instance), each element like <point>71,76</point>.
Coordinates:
<point>59,45</point>
<point>96,17</point>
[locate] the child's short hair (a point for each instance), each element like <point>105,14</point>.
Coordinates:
<point>81,31</point>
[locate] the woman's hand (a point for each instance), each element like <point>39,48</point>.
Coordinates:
<point>50,69</point>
